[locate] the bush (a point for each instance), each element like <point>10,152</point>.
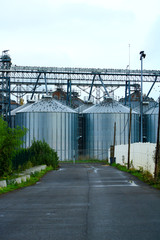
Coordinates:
<point>10,141</point>
<point>39,153</point>
<point>21,159</point>
<point>42,153</point>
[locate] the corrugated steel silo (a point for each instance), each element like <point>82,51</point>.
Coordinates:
<point>53,122</point>
<point>14,111</point>
<point>151,122</point>
<point>99,127</point>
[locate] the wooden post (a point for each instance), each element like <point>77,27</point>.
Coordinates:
<point>114,140</point>
<point>157,146</point>
<point>129,137</point>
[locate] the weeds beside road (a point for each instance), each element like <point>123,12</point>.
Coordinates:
<point>33,179</point>
<point>142,175</point>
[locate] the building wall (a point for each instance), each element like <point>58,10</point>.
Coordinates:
<point>142,155</point>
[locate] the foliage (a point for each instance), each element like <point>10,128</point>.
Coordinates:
<point>157,161</point>
<point>142,175</point>
<point>42,153</point>
<point>21,158</point>
<point>10,141</point>
<point>86,161</point>
<point>39,153</point>
<point>33,179</point>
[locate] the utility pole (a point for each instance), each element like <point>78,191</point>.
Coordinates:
<point>129,137</point>
<point>112,147</point>
<point>114,140</point>
<point>142,55</point>
<point>157,147</point>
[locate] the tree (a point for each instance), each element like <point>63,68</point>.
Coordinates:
<point>42,153</point>
<point>10,141</point>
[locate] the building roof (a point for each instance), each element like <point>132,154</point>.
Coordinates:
<point>108,106</point>
<point>47,104</point>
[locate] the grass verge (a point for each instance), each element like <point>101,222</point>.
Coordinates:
<point>142,175</point>
<point>86,161</point>
<point>33,179</point>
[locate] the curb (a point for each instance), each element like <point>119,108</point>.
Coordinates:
<point>23,177</point>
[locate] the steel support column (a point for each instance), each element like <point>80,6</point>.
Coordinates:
<point>90,93</point>
<point>103,85</point>
<point>35,85</point>
<point>126,87</point>
<point>128,90</point>
<point>45,79</point>
<point>69,92</point>
<point>5,65</point>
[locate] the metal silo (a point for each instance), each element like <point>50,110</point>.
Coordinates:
<point>53,122</point>
<point>151,124</point>
<point>13,112</point>
<point>99,127</point>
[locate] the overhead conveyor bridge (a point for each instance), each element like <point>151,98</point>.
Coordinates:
<point>23,80</point>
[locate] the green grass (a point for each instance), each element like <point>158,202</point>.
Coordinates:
<point>86,161</point>
<point>142,175</point>
<point>37,176</point>
<point>33,179</point>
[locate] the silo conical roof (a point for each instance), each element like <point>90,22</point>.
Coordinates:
<point>108,106</point>
<point>153,110</point>
<point>47,105</point>
<point>14,111</point>
<point>83,107</point>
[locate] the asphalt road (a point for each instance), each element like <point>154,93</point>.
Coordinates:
<point>82,202</point>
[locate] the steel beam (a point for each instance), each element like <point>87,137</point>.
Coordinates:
<point>35,85</point>
<point>27,76</point>
<point>128,90</point>
<point>104,86</point>
<point>69,92</point>
<point>45,79</point>
<point>90,93</point>
<point>152,86</point>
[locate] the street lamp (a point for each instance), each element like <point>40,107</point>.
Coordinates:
<point>142,55</point>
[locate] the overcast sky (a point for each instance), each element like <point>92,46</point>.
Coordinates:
<point>81,33</point>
